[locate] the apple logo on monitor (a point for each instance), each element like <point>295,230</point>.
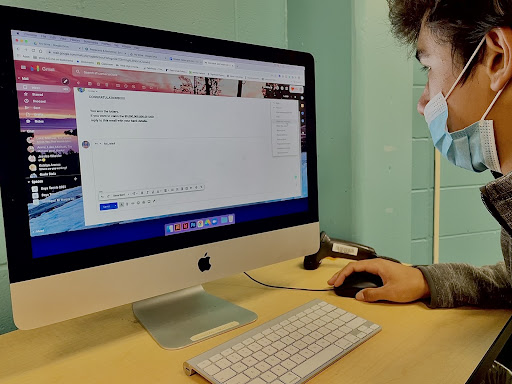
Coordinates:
<point>204,263</point>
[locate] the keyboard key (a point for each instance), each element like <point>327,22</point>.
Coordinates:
<point>322,303</point>
<point>273,337</point>
<point>238,379</point>
<point>331,326</point>
<point>216,357</point>
<point>279,370</point>
<point>249,361</point>
<point>298,358</point>
<point>315,348</point>
<point>225,375</point>
<point>300,344</point>
<point>234,357</point>
<point>264,342</point>
<point>337,333</point>
<point>289,364</point>
<point>291,350</point>
<point>239,367</point>
<point>269,350</point>
<point>272,360</point>
<point>316,361</point>
<point>267,332</point>
<point>351,338</point>
<point>279,345</point>
<point>306,353</point>
<point>262,366</point>
<point>248,341</point>
<point>356,323</point>
<point>244,352</point>
<point>257,381</point>
<point>289,378</point>
<point>212,370</point>
<point>329,307</point>
<point>342,343</point>
<point>282,355</point>
<point>204,364</point>
<point>316,335</point>
<point>347,317</point>
<point>237,347</point>
<point>331,338</point>
<point>255,347</point>
<point>260,355</point>
<point>268,376</point>
<point>223,363</point>
<point>252,372</point>
<point>227,352</point>
<point>324,343</point>
<point>257,336</point>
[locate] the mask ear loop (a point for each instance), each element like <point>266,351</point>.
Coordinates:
<point>494,101</point>
<point>465,68</point>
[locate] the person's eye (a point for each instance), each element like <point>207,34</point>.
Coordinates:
<point>424,68</point>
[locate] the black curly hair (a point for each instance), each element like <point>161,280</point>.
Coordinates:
<point>460,23</point>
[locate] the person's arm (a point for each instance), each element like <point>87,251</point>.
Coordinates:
<point>447,285</point>
<point>453,285</point>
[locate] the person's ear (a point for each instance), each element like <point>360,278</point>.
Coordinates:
<point>498,57</point>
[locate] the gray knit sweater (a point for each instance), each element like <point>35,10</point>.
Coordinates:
<point>453,285</point>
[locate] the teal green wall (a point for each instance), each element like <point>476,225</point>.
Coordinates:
<point>259,22</point>
<point>382,80</point>
<point>422,190</point>
<point>326,32</point>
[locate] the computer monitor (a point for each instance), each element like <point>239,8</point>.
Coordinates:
<point>139,164</point>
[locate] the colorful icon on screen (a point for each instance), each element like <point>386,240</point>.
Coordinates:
<point>185,226</point>
<point>200,223</point>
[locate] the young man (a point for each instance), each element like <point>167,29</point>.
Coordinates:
<point>466,48</point>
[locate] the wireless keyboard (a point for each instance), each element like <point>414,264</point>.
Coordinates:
<point>289,349</point>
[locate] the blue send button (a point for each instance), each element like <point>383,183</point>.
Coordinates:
<point>106,207</point>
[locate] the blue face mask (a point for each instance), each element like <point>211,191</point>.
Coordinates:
<point>473,147</point>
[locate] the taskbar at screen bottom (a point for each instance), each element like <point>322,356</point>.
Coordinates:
<point>84,239</point>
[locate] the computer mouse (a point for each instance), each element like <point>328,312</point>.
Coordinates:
<point>357,281</point>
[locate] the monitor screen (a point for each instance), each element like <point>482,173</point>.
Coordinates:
<point>130,142</point>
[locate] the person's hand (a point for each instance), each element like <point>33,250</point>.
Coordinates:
<point>402,284</point>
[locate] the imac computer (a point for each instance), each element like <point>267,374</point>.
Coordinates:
<point>140,163</point>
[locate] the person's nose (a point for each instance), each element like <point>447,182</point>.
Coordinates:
<point>423,101</point>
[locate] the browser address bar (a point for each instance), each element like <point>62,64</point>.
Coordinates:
<point>58,53</point>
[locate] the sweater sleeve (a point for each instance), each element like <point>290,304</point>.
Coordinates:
<point>453,285</point>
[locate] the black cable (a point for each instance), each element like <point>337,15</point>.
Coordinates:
<point>298,289</point>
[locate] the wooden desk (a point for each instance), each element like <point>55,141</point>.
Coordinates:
<point>416,345</point>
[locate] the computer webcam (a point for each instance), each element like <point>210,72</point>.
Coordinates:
<point>338,248</point>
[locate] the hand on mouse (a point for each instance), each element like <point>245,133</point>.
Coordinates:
<point>402,284</point>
